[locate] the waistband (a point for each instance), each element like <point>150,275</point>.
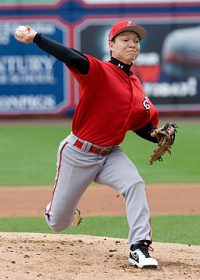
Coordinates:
<point>89,147</point>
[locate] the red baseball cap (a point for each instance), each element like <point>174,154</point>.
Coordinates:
<point>126,25</point>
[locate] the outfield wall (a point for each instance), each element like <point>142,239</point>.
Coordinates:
<point>34,83</point>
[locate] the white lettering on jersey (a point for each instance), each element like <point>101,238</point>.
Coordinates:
<point>145,103</point>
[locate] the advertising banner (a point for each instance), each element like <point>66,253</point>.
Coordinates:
<point>32,82</point>
<point>169,62</point>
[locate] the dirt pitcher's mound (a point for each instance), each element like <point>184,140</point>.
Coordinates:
<point>47,256</point>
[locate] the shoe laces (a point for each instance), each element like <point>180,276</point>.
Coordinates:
<point>144,247</point>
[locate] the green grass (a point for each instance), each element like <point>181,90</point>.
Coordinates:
<point>181,167</point>
<point>177,229</point>
<point>183,229</point>
<point>28,155</point>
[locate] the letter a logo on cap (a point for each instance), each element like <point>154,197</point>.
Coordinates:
<point>129,23</point>
<point>126,25</point>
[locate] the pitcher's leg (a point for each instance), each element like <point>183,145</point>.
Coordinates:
<point>71,182</point>
<point>121,174</point>
<point>138,214</point>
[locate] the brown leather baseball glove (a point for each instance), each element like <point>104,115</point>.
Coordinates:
<point>165,137</point>
<point>77,218</point>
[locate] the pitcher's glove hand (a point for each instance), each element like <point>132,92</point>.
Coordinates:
<point>77,218</point>
<point>165,137</point>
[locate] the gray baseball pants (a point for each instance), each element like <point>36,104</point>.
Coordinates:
<point>77,168</point>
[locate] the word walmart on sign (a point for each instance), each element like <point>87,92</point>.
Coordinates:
<point>174,89</point>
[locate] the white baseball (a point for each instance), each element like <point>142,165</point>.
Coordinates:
<point>20,30</point>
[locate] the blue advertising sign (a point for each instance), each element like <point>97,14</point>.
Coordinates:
<point>31,80</point>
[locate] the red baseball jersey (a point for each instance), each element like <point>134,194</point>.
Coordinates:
<point>110,104</point>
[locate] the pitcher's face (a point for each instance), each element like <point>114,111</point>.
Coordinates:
<point>125,46</point>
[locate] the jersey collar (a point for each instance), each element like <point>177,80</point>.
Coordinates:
<point>121,65</point>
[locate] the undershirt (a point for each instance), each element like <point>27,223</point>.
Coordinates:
<point>80,65</point>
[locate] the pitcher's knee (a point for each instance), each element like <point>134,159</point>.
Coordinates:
<point>133,186</point>
<point>58,225</point>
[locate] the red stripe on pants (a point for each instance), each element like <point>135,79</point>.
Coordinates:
<point>57,177</point>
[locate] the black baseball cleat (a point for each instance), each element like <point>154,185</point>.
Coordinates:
<point>139,256</point>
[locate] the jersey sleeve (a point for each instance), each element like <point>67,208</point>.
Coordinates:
<point>71,57</point>
<point>90,75</point>
<point>145,131</point>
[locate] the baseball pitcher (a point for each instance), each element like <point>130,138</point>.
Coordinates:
<point>112,102</point>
